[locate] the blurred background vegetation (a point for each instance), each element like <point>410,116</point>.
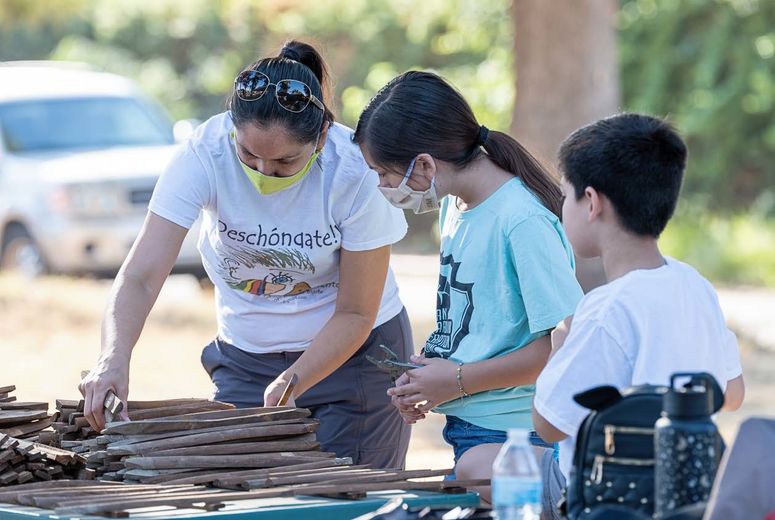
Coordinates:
<point>709,65</point>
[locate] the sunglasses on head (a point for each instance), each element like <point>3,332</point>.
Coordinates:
<point>293,95</point>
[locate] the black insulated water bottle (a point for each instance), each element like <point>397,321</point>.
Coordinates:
<point>687,445</point>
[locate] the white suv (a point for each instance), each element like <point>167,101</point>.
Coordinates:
<point>80,153</point>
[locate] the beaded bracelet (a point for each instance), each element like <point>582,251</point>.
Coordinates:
<point>460,380</point>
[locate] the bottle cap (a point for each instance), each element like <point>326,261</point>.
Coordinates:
<point>695,399</point>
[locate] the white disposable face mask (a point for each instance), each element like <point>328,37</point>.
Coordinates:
<point>405,197</point>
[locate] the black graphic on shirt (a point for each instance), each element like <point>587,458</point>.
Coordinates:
<point>454,308</point>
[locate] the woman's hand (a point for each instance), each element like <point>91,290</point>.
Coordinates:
<point>275,390</point>
<point>111,373</point>
<point>433,384</point>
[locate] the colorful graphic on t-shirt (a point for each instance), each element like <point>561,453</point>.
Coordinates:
<point>454,308</point>
<point>267,272</point>
<point>272,262</point>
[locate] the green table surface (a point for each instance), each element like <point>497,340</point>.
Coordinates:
<point>314,508</point>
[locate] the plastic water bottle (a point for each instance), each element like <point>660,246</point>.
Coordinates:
<point>516,480</point>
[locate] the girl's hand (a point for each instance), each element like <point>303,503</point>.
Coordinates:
<point>275,390</point>
<point>409,413</point>
<point>433,384</point>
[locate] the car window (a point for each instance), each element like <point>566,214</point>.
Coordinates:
<point>59,124</point>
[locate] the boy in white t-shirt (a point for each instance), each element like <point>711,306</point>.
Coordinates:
<point>655,316</point>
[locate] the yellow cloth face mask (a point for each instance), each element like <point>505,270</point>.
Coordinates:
<point>266,184</point>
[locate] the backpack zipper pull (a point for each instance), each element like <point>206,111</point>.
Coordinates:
<point>597,470</point>
<point>610,446</point>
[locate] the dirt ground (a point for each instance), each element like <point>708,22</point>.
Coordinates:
<point>49,332</point>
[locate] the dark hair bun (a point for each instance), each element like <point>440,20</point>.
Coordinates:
<point>306,55</point>
<point>296,61</point>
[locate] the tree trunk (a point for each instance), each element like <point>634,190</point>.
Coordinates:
<point>567,75</point>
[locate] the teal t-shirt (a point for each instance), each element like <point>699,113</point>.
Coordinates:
<point>507,278</point>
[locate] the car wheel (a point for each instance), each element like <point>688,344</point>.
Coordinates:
<point>21,254</point>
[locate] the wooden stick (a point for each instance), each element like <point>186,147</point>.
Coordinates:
<point>12,417</point>
<point>55,485</point>
<point>175,424</point>
<point>173,500</point>
<point>355,477</point>
<point>288,391</point>
<point>52,501</point>
<point>24,405</point>
<point>234,412</point>
<point>166,403</point>
<point>140,474</point>
<point>243,483</point>
<point>90,489</point>
<point>307,442</point>
<point>26,429</point>
<point>308,477</point>
<point>225,461</point>
<point>206,476</point>
<point>170,411</point>
<point>256,473</point>
<point>196,439</point>
<point>122,440</point>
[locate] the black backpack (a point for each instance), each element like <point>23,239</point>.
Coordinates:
<point>614,460</point>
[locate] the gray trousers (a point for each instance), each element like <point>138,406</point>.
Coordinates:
<point>356,417</point>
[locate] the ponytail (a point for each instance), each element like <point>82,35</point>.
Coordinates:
<point>508,154</point>
<point>419,112</point>
<point>306,54</point>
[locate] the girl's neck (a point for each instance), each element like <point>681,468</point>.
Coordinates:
<point>477,181</point>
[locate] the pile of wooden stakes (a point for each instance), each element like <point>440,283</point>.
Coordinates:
<point>22,420</point>
<point>204,460</point>
<point>76,498</point>
<point>72,427</point>
<point>24,461</point>
<point>155,450</point>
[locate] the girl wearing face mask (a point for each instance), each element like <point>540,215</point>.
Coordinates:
<point>296,240</point>
<point>507,269</point>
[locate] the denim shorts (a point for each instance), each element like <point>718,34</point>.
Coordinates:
<point>462,436</point>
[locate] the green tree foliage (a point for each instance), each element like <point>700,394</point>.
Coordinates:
<point>185,53</point>
<point>709,65</point>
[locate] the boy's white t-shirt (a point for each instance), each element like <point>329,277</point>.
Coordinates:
<point>274,259</point>
<point>638,329</point>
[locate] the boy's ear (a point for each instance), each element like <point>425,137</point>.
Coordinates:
<point>595,203</point>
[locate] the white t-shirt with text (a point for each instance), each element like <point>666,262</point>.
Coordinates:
<point>274,259</point>
<point>639,329</point>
